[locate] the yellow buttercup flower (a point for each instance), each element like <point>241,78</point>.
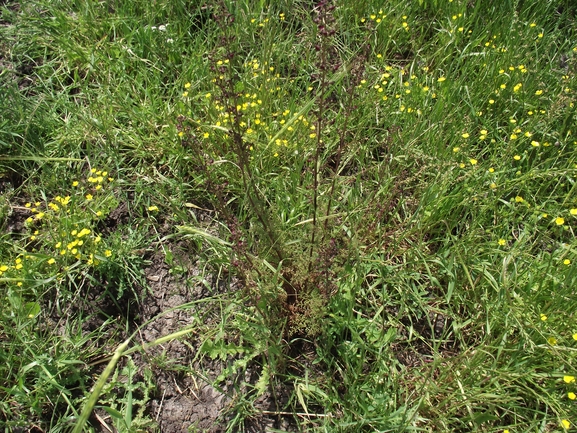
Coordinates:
<point>569,379</point>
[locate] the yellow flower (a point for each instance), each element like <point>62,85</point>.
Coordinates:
<point>89,197</point>
<point>441,79</point>
<point>571,395</point>
<point>519,199</point>
<point>502,242</point>
<point>491,170</point>
<point>51,261</point>
<point>543,317</point>
<point>573,211</point>
<point>559,221</point>
<point>456,149</point>
<point>107,253</point>
<point>152,208</point>
<point>83,232</point>
<point>539,92</point>
<point>575,336</point>
<point>569,379</point>
<point>206,135</point>
<point>75,183</point>
<point>465,135</point>
<point>473,161</point>
<point>187,85</point>
<point>552,341</point>
<point>493,185</point>
<point>516,157</point>
<point>535,143</point>
<point>565,424</point>
<point>566,262</point>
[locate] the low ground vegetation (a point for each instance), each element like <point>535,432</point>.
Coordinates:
<point>293,216</point>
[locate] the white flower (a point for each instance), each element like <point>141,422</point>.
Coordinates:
<point>162,27</point>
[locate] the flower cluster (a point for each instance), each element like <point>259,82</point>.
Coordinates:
<point>62,231</point>
<point>280,131</point>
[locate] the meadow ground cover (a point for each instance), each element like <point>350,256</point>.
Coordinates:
<point>300,216</point>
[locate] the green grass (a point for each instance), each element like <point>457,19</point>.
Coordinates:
<point>388,192</point>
